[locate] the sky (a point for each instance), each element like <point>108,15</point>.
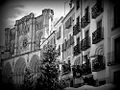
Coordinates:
<point>12,10</point>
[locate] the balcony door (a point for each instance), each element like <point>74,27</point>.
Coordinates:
<point>87,33</point>
<point>117,50</point>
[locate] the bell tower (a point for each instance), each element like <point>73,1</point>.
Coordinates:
<point>47,21</point>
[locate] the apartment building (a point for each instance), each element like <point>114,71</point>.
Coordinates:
<point>98,38</point>
<point>87,39</point>
<point>58,26</point>
<point>68,42</point>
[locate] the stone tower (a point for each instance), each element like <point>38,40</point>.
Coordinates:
<point>47,21</point>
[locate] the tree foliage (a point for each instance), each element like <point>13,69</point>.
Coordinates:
<point>47,77</point>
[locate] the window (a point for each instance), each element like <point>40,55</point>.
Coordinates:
<point>117,50</point>
<point>78,39</point>
<point>87,13</point>
<point>59,33</point>
<point>68,23</point>
<point>87,33</point>
<point>77,20</point>
<point>59,50</point>
<point>65,43</point>
<point>87,10</point>
<point>99,24</point>
<point>86,59</point>
<point>77,4</point>
<point>116,15</point>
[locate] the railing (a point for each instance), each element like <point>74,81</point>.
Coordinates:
<point>98,63</point>
<point>86,69</point>
<point>66,69</point>
<point>76,29</point>
<point>97,9</point>
<point>85,43</point>
<point>97,36</point>
<point>76,50</point>
<point>85,20</point>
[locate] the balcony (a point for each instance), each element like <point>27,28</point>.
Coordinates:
<point>76,29</point>
<point>85,20</point>
<point>97,9</point>
<point>98,63</point>
<point>86,69</point>
<point>66,69</point>
<point>85,43</point>
<point>97,36</point>
<point>76,50</point>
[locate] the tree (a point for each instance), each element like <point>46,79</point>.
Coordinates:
<point>48,71</point>
<point>28,79</point>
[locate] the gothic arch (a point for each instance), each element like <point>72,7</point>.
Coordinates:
<point>19,70</point>
<point>34,63</point>
<point>7,73</point>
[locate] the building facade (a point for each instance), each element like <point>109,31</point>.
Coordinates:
<point>24,42</point>
<point>87,40</point>
<point>58,26</point>
<point>96,39</point>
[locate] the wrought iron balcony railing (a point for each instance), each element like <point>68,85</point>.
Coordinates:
<point>97,36</point>
<point>85,20</point>
<point>85,43</point>
<point>86,69</point>
<point>76,29</point>
<point>97,9</point>
<point>98,63</point>
<point>66,69</point>
<point>76,50</point>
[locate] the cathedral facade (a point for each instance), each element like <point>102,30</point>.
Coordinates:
<point>23,44</point>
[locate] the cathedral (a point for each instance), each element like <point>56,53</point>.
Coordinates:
<point>87,39</point>
<point>23,43</point>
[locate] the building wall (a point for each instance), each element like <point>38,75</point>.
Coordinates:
<point>24,42</point>
<point>59,36</point>
<point>67,31</point>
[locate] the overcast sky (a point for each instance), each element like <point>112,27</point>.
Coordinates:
<point>12,10</point>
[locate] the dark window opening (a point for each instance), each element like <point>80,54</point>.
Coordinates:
<point>117,50</point>
<point>77,4</point>
<point>78,20</point>
<point>78,40</point>
<point>116,15</point>
<point>87,33</point>
<point>99,24</point>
